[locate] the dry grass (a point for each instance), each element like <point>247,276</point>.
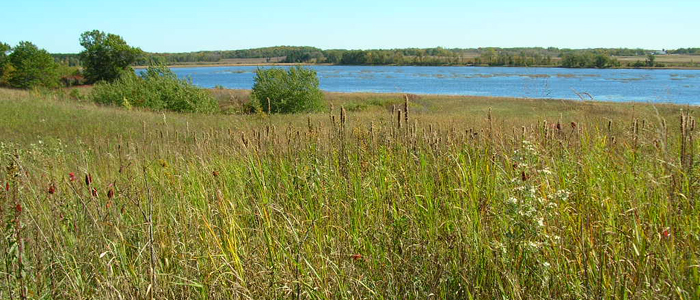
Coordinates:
<point>471,198</point>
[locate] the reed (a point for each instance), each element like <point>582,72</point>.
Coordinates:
<point>311,207</point>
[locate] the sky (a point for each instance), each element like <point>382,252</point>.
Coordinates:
<point>194,25</point>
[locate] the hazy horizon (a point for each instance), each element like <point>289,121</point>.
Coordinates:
<point>209,25</point>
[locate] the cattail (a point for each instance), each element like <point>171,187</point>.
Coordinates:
<point>398,117</point>
<point>405,109</point>
<point>343,116</point>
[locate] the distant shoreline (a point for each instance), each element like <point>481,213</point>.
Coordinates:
<point>483,66</point>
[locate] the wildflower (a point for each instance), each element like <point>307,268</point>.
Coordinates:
<point>513,200</point>
<point>524,176</point>
<point>93,191</point>
<point>215,173</point>
<point>71,176</point>
<point>88,179</point>
<point>18,207</point>
<point>356,256</point>
<point>573,125</point>
<point>7,186</point>
<point>52,189</point>
<point>666,232</point>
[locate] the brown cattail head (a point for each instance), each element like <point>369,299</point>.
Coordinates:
<point>88,179</point>
<point>405,109</point>
<point>524,176</point>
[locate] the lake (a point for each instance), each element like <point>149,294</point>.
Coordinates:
<point>673,86</point>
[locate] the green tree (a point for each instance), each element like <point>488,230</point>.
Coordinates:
<point>106,56</point>
<point>287,91</point>
<point>4,61</point>
<point>32,67</point>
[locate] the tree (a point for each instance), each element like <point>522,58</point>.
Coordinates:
<point>287,91</point>
<point>32,67</point>
<point>106,56</point>
<point>5,66</point>
<point>4,49</point>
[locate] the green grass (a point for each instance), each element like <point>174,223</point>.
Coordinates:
<point>473,198</point>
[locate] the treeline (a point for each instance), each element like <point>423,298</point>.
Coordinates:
<point>685,51</point>
<point>491,56</point>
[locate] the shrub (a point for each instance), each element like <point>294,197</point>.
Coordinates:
<point>289,91</point>
<point>157,88</point>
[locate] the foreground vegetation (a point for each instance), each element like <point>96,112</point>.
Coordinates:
<point>461,197</point>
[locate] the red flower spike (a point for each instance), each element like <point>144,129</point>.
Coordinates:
<point>18,208</point>
<point>356,256</point>
<point>215,173</point>
<point>110,193</point>
<point>666,232</point>
<point>94,192</point>
<point>71,176</point>
<point>7,186</point>
<point>52,189</point>
<point>88,179</point>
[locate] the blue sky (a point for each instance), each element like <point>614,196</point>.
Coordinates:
<point>180,26</point>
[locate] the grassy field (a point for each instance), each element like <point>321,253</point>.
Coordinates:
<point>463,198</point>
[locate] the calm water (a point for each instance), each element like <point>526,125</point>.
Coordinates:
<point>677,86</point>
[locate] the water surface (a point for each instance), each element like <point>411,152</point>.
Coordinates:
<point>675,86</point>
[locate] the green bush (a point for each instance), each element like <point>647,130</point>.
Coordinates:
<point>31,67</point>
<point>158,89</point>
<point>289,91</point>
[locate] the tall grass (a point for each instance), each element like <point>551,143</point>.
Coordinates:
<point>448,205</point>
